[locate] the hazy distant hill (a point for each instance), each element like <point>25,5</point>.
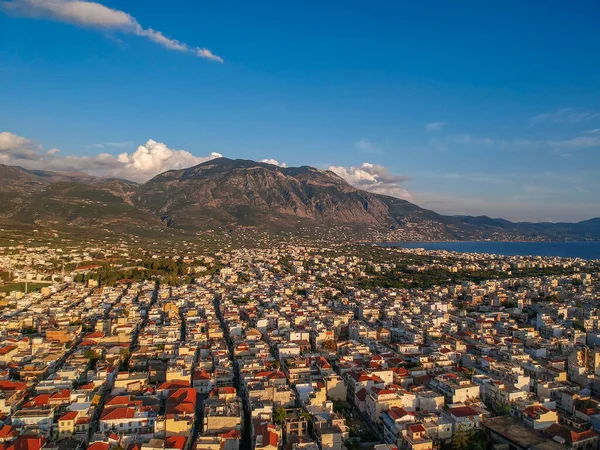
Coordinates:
<point>240,193</point>
<point>61,199</point>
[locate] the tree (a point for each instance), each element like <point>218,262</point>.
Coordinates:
<point>330,345</point>
<point>274,364</point>
<point>460,440</point>
<point>279,415</point>
<point>578,325</point>
<point>468,440</point>
<point>503,409</point>
<point>91,355</point>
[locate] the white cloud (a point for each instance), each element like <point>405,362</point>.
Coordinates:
<point>367,146</point>
<point>147,161</point>
<point>565,116</point>
<point>161,39</point>
<point>575,143</point>
<point>373,178</point>
<point>434,126</point>
<point>470,139</point>
<point>17,147</point>
<point>155,157</point>
<point>95,15</point>
<point>113,144</point>
<point>273,162</point>
<point>206,53</point>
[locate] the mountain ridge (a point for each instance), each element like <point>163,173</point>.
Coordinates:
<point>223,193</point>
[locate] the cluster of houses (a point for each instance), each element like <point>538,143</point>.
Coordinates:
<point>280,349</point>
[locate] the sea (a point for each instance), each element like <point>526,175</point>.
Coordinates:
<point>583,250</point>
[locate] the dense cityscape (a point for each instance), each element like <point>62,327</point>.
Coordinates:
<point>118,346</point>
<point>299,225</point>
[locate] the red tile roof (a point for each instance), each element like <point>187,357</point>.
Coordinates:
<point>6,385</point>
<point>118,413</point>
<point>25,442</point>
<point>361,395</point>
<point>7,349</point>
<point>119,400</point>
<point>418,428</point>
<point>178,384</point>
<point>398,413</point>
<point>7,431</point>
<point>175,442</point>
<point>231,434</point>
<point>201,375</point>
<point>535,410</point>
<point>463,411</point>
<point>569,435</point>
<point>268,433</point>
<point>38,400</point>
<point>64,394</point>
<point>72,415</point>
<point>183,395</point>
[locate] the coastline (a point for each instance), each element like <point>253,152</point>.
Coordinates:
<point>589,250</point>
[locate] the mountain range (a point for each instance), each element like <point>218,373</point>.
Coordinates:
<point>223,194</point>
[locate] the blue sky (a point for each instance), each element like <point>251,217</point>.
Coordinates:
<point>464,108</point>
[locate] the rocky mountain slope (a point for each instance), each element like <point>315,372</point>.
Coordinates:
<point>69,199</point>
<point>249,193</point>
<point>224,193</point>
